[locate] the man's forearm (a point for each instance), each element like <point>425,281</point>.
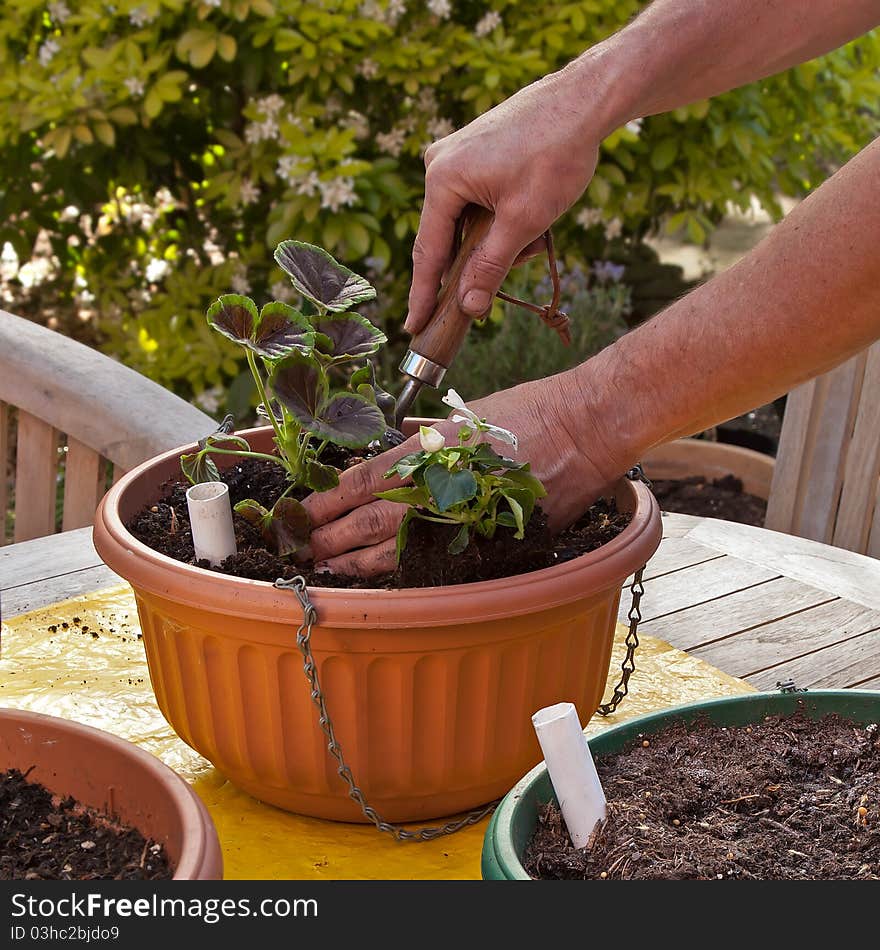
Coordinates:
<point>802,301</point>
<point>680,51</point>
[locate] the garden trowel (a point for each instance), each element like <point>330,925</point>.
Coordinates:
<point>434,347</point>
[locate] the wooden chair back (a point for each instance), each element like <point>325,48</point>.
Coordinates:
<point>54,390</point>
<point>826,480</point>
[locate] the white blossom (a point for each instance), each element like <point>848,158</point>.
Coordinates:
<point>70,213</point>
<point>240,283</point>
<point>308,185</point>
<point>249,193</point>
<point>440,128</point>
<point>588,218</point>
<point>215,254</point>
<point>156,269</point>
<point>210,399</point>
<point>358,123</point>
<point>267,131</point>
<point>337,192</point>
<point>394,11</point>
<point>473,421</point>
<point>34,272</point>
<point>270,105</point>
<point>440,8</point>
<point>391,142</point>
<point>635,126</point>
<point>47,51</point>
<point>427,100</point>
<point>59,11</point>
<point>430,439</point>
<point>212,3</point>
<point>141,16</point>
<point>488,23</point>
<point>8,262</point>
<point>281,290</point>
<point>613,229</point>
<point>368,68</point>
<point>134,86</point>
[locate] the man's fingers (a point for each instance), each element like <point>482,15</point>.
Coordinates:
<point>431,253</point>
<point>489,263</point>
<point>378,559</point>
<point>366,525</point>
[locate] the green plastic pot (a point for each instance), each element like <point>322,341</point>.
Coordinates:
<point>515,819</point>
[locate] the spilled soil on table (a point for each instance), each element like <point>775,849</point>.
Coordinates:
<point>787,798</point>
<point>164,526</point>
<point>47,838</point>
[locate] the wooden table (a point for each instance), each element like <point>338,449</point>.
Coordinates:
<point>760,605</point>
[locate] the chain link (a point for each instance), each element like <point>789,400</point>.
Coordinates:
<point>303,641</point>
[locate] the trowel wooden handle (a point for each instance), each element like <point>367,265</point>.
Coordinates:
<point>444,333</point>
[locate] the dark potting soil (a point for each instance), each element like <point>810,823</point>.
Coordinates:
<point>164,526</point>
<point>718,498</point>
<point>47,838</point>
<point>788,798</point>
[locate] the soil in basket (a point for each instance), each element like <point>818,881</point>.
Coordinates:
<point>46,838</point>
<point>788,798</point>
<point>164,527</point>
<point>715,498</point>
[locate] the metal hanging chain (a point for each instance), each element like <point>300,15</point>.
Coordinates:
<point>628,667</point>
<point>303,641</point>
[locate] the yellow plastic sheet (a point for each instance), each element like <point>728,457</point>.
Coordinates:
<point>82,659</point>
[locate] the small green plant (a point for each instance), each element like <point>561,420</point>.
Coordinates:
<point>298,362</point>
<point>468,484</point>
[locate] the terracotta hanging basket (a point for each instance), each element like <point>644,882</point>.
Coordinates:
<point>430,690</point>
<point>115,777</point>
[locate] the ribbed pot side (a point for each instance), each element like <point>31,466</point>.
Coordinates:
<point>430,690</point>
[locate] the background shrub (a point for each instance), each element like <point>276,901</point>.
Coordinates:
<point>155,151</point>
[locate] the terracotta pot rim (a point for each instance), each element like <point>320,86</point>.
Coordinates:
<point>200,856</point>
<point>153,572</point>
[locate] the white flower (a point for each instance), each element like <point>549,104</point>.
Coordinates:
<point>431,440</point>
<point>34,272</point>
<point>209,399</point>
<point>214,252</point>
<point>473,421</point>
<point>249,192</point>
<point>240,283</point>
<point>8,262</point>
<point>308,185</point>
<point>588,218</point>
<point>134,86</point>
<point>59,11</point>
<point>394,11</point>
<point>70,213</point>
<point>282,291</point>
<point>635,126</point>
<point>440,8</point>
<point>141,16</point>
<point>47,51</point>
<point>337,192</point>
<point>212,3</point>
<point>440,128</point>
<point>270,105</point>
<point>489,22</point>
<point>391,142</point>
<point>427,100</point>
<point>368,68</point>
<point>156,269</point>
<point>613,229</point>
<point>267,130</point>
<point>358,122</point>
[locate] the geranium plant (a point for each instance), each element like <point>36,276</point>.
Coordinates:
<point>466,484</point>
<point>301,365</point>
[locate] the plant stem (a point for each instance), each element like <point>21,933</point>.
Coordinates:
<point>248,455</point>
<point>261,391</point>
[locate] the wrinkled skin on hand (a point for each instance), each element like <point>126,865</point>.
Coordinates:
<point>354,533</point>
<point>527,160</point>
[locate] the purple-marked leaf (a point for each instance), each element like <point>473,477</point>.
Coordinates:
<point>234,316</point>
<point>300,385</point>
<point>281,330</point>
<point>287,529</point>
<point>320,477</point>
<point>351,336</point>
<point>350,420</point>
<point>199,467</point>
<point>321,278</point>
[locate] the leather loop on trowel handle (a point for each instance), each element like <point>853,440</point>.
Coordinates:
<point>444,333</point>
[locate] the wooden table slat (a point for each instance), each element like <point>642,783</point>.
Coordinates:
<point>50,556</point>
<point>18,600</point>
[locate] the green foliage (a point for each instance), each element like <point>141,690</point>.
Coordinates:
<point>155,151</point>
<point>469,484</point>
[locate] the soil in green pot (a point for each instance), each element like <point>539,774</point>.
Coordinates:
<point>47,838</point>
<point>788,798</point>
<point>164,526</point>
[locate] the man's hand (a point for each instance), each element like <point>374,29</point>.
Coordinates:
<point>527,160</point>
<point>353,532</point>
